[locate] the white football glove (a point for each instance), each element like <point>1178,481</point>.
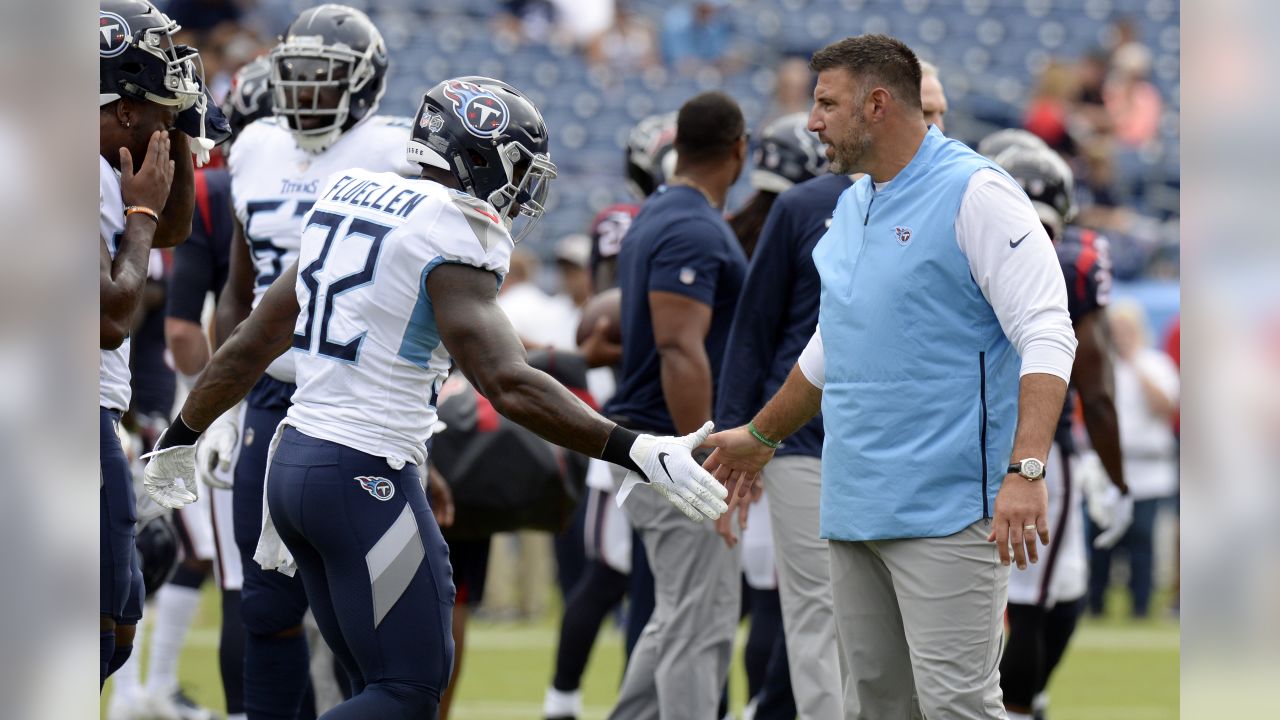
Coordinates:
<point>170,475</point>
<point>669,468</point>
<point>217,449</point>
<point>1108,508</point>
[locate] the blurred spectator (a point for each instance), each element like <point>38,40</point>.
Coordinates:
<point>532,312</point>
<point>695,34</point>
<point>1133,104</point>
<point>792,89</point>
<point>1147,387</point>
<point>1091,77</point>
<point>631,45</point>
<point>573,258</point>
<point>1048,113</point>
<point>525,19</point>
<point>933,100</point>
<point>583,22</point>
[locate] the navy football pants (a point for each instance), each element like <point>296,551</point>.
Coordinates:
<point>277,670</point>
<point>376,572</point>
<point>120,573</point>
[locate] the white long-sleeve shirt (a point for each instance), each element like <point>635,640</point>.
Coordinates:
<point>1019,277</point>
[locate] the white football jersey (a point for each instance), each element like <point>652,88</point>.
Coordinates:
<point>113,365</point>
<point>369,358</point>
<point>274,183</point>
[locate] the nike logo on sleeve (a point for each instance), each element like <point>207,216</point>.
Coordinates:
<point>1013,244</point>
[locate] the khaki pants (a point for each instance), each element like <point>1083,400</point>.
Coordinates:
<point>794,486</point>
<point>919,624</point>
<point>678,668</point>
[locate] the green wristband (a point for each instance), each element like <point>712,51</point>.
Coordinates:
<point>751,426</point>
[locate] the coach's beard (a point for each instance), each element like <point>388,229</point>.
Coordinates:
<point>848,157</point>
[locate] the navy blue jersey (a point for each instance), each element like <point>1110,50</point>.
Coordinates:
<point>778,310</point>
<point>1086,265</point>
<point>201,264</point>
<point>151,379</point>
<point>678,244</point>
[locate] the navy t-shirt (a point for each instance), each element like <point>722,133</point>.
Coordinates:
<point>200,265</point>
<point>779,309</point>
<point>678,244</point>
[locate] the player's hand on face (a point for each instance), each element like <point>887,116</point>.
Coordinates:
<point>169,477</point>
<point>1022,509</point>
<point>737,460</point>
<point>149,186</point>
<point>669,468</point>
<point>216,450</point>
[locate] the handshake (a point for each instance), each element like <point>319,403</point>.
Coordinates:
<point>667,465</point>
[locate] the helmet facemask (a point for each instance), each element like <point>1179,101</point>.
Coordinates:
<point>530,175</point>
<point>305,75</point>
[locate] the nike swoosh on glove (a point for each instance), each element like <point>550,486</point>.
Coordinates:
<point>216,449</point>
<point>165,469</point>
<point>669,468</point>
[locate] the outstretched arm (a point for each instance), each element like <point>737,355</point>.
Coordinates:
<point>482,341</point>
<point>239,363</point>
<point>490,354</point>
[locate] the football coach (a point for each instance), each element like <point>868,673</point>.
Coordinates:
<point>940,366</point>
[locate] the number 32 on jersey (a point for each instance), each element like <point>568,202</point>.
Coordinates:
<point>357,242</point>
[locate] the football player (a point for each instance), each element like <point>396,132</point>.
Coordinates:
<point>787,154</point>
<point>326,78</point>
<point>394,278</point>
<point>145,198</point>
<point>200,267</point>
<point>1045,599</point>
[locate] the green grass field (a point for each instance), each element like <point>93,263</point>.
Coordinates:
<point>1116,669</point>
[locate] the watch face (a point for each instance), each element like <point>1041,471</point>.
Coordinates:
<point>1032,468</point>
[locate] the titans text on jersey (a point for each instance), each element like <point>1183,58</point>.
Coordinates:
<point>274,183</point>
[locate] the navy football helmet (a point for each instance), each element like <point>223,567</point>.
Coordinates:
<point>1047,180</point>
<point>137,57</point>
<point>158,552</point>
<point>788,154</point>
<point>651,153</point>
<point>1001,140</point>
<point>327,73</point>
<point>250,95</point>
<point>493,140</point>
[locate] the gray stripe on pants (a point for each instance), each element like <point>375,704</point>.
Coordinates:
<point>393,561</point>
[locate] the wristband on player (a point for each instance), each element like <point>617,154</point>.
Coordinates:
<point>179,433</point>
<point>143,210</point>
<point>617,449</point>
<point>755,433</point>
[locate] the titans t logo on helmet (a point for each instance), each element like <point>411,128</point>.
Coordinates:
<point>113,34</point>
<point>483,114</point>
<point>379,487</point>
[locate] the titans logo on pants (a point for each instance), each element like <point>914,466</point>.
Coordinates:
<point>379,487</point>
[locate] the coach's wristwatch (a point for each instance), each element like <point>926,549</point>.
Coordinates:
<point>1031,469</point>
